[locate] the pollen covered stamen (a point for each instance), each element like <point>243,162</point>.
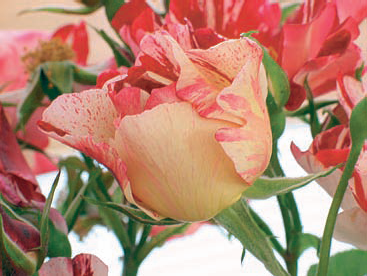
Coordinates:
<point>51,50</point>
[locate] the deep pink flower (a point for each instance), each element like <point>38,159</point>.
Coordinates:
<point>332,147</point>
<point>317,44</point>
<point>190,144</point>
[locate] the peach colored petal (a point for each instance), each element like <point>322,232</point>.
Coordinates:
<point>351,227</point>
<point>175,166</point>
<point>244,99</point>
<point>310,164</point>
<point>85,121</point>
<point>206,72</point>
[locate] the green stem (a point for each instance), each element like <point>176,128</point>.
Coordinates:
<point>84,77</point>
<point>110,217</point>
<point>291,218</point>
<point>333,212</point>
<point>276,244</point>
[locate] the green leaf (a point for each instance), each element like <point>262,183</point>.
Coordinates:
<point>347,263</point>
<point>277,117</point>
<point>239,222</point>
<point>133,213</point>
<point>44,224</point>
<point>359,72</point>
<point>306,241</point>
<point>33,100</point>
<point>112,6</point>
<point>58,243</point>
<point>264,188</point>
<point>60,75</point>
<point>115,47</point>
<point>64,10</point>
<point>277,79</point>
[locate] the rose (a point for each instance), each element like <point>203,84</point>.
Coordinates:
<point>317,44</point>
<point>191,147</point>
<point>23,51</point>
<point>332,147</point>
<point>82,264</point>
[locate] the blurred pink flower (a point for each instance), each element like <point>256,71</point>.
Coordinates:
<point>14,46</point>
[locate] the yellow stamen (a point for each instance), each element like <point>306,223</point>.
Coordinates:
<point>51,50</point>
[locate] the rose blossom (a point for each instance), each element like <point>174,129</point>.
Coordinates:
<point>189,148</point>
<point>332,147</point>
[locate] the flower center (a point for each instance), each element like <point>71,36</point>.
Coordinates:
<point>51,50</point>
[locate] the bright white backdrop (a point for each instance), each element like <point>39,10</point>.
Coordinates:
<point>208,252</point>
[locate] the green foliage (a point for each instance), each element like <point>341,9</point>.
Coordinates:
<point>64,10</point>
<point>133,213</point>
<point>238,221</point>
<point>264,188</point>
<point>347,263</point>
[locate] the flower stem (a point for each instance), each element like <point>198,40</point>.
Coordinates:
<point>291,218</point>
<point>333,212</point>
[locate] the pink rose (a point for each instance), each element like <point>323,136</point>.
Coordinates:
<point>80,265</point>
<point>188,145</point>
<point>318,45</point>
<point>332,147</point>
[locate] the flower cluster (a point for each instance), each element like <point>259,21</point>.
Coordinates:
<point>180,126</point>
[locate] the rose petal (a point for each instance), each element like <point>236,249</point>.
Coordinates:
<point>244,99</point>
<point>351,227</point>
<point>17,182</point>
<point>310,164</point>
<point>62,265</point>
<point>193,179</point>
<point>85,121</point>
<point>87,264</point>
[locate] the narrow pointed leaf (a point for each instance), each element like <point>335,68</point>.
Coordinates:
<point>58,244</point>
<point>277,78</point>
<point>120,59</point>
<point>33,100</point>
<point>59,74</point>
<point>133,213</point>
<point>112,6</point>
<point>264,188</point>
<point>64,10</point>
<point>238,221</point>
<point>44,224</point>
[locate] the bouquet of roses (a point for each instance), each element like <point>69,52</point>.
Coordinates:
<point>180,128</point>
